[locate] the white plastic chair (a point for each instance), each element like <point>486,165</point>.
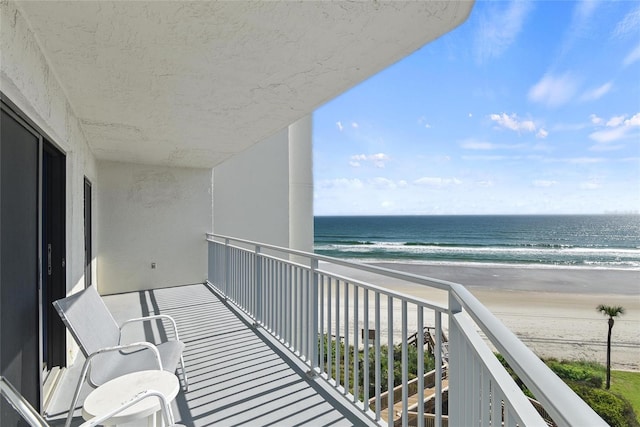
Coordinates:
<point>100,339</point>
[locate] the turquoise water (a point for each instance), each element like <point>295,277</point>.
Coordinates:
<point>601,241</point>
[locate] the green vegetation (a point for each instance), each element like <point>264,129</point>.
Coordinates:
<point>615,406</point>
<point>412,358</point>
<point>582,373</point>
<point>614,409</point>
<point>627,384</point>
<point>619,406</point>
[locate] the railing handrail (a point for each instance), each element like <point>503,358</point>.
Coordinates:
<point>550,390</point>
<point>20,404</point>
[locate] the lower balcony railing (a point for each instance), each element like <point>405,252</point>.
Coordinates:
<point>355,334</point>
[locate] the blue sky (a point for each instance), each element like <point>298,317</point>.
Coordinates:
<point>526,108</point>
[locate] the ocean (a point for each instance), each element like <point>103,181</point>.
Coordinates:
<point>588,241</point>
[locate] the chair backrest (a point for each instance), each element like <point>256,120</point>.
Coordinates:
<point>89,320</point>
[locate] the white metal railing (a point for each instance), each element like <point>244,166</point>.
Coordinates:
<point>22,407</point>
<point>324,318</point>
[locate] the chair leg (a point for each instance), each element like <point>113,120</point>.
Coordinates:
<point>184,375</point>
<point>76,394</point>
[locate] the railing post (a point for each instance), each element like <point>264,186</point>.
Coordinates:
<point>367,380</point>
<point>456,389</point>
<point>378,373</point>
<point>390,363</point>
<point>420,365</point>
<point>405,367</point>
<point>258,285</point>
<point>437,351</point>
<point>313,322</point>
<point>226,268</point>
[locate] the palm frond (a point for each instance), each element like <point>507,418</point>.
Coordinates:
<point>610,310</point>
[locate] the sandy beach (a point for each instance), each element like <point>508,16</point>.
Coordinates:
<point>552,310</point>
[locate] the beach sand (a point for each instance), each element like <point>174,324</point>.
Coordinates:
<point>552,310</point>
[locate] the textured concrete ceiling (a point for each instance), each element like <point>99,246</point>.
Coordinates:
<point>192,83</point>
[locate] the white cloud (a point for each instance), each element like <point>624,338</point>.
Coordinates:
<point>605,147</point>
<point>590,185</point>
<point>580,23</point>
<point>629,24</point>
<point>379,159</point>
<point>513,122</point>
<point>575,160</point>
<point>633,121</point>
<point>485,183</point>
<point>339,125</point>
<point>609,135</point>
<point>379,156</point>
<point>597,93</point>
<point>477,145</point>
<point>499,29</point>
<point>489,158</point>
<point>619,127</point>
<point>615,121</point>
<point>585,10</point>
<point>568,127</point>
<point>422,121</point>
<point>595,119</point>
<point>554,91</point>
<point>355,125</point>
<point>354,164</point>
<point>437,182</point>
<point>470,115</point>
<point>583,160</point>
<point>472,144</point>
<point>632,56</point>
<point>541,183</point>
<point>383,183</point>
<point>341,183</point>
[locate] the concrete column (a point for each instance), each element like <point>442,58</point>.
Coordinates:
<point>265,194</point>
<point>301,185</point>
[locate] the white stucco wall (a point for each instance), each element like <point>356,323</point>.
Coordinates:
<point>28,81</point>
<point>251,193</point>
<point>266,193</point>
<point>151,214</point>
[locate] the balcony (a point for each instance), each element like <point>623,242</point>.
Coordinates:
<point>238,375</point>
<point>271,339</point>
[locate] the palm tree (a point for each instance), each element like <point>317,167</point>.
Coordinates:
<point>611,311</point>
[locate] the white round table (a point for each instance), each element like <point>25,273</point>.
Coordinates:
<point>113,394</point>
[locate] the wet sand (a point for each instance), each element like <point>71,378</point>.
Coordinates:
<point>552,310</point>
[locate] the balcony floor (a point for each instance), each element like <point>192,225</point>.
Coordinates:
<point>238,375</point>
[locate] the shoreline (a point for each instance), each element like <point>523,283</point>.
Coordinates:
<point>551,310</point>
<point>561,279</point>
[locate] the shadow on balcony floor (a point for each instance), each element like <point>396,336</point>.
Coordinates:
<point>238,375</point>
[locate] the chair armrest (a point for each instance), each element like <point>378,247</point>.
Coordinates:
<point>131,346</point>
<point>153,317</point>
